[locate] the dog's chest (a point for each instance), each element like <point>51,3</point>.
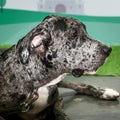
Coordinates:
<point>44,93</point>
<point>40,104</point>
<point>42,101</point>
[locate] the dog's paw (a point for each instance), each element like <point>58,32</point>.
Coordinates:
<point>109,94</point>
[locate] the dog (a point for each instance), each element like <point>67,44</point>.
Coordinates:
<point>31,69</point>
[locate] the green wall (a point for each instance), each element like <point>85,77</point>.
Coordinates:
<point>14,24</point>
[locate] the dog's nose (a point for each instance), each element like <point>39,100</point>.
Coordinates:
<point>106,50</point>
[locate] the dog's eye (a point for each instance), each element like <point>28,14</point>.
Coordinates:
<point>73,35</point>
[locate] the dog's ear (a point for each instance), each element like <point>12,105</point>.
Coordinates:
<point>36,42</point>
<point>40,41</point>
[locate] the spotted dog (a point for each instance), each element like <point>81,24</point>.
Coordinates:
<point>30,70</point>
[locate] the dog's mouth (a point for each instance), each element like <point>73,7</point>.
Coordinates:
<point>79,72</point>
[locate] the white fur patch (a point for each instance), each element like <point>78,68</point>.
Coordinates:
<point>41,103</point>
<point>110,94</point>
<point>56,80</point>
<point>24,55</point>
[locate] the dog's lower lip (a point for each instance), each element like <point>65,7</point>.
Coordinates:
<point>77,72</point>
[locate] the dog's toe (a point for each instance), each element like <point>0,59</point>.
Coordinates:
<point>110,94</point>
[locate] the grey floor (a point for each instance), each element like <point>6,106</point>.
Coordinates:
<point>81,107</point>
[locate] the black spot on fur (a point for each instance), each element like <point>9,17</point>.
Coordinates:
<point>65,61</point>
<point>22,97</point>
<point>60,25</point>
<point>12,77</point>
<point>49,57</point>
<point>46,43</point>
<point>46,70</point>
<point>14,95</point>
<point>54,54</point>
<point>47,63</point>
<point>73,45</point>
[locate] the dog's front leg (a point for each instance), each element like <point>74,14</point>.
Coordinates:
<point>80,88</point>
<point>58,110</point>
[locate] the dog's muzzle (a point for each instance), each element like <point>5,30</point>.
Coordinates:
<point>77,72</point>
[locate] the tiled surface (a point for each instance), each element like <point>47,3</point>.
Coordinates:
<point>81,107</point>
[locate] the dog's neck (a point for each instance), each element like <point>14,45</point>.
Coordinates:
<point>41,72</point>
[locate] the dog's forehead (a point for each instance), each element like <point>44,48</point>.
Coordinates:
<point>62,22</point>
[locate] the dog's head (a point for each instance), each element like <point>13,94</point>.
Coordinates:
<point>64,42</point>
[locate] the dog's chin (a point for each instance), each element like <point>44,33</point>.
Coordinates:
<point>79,72</point>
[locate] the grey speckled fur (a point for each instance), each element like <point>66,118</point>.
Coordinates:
<point>57,45</point>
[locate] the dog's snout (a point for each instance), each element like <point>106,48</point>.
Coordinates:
<point>106,50</point>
